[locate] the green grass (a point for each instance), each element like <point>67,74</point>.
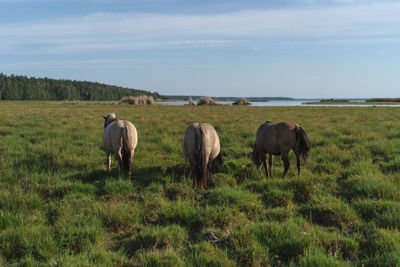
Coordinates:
<point>59,205</point>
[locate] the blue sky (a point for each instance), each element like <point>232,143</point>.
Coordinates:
<point>297,48</point>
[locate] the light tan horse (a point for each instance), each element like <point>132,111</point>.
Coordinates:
<point>202,148</point>
<point>279,139</point>
<point>119,137</point>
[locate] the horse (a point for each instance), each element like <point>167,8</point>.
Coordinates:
<point>201,147</point>
<point>279,139</point>
<point>119,137</point>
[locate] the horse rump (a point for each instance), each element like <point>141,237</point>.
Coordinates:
<point>200,168</point>
<point>303,143</point>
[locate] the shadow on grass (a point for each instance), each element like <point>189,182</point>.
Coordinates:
<point>146,176</point>
<point>140,179</point>
<point>39,163</point>
<point>95,175</point>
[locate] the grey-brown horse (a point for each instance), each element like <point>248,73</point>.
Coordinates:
<point>119,138</point>
<point>202,148</point>
<point>279,139</point>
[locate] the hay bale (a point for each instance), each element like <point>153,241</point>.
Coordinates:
<point>138,100</point>
<point>206,101</point>
<point>126,100</point>
<point>241,102</point>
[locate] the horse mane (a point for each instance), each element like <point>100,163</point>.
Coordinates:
<point>108,121</point>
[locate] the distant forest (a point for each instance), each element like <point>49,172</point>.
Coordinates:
<point>24,88</point>
<point>383,100</point>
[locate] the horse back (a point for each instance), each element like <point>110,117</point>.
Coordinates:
<point>276,138</point>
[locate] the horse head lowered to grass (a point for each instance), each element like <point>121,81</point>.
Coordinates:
<point>279,139</point>
<point>119,137</point>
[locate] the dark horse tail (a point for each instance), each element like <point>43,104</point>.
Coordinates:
<point>201,171</point>
<point>303,144</point>
<point>126,151</point>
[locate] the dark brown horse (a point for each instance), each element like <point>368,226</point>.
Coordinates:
<point>202,148</point>
<point>279,139</point>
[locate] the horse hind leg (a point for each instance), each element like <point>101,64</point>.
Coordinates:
<point>200,179</point>
<point>190,172</point>
<point>130,164</point>
<point>207,176</point>
<point>193,174</point>
<point>195,179</point>
<point>108,161</point>
<point>118,156</point>
<point>127,165</point>
<point>298,162</point>
<point>264,162</point>
<point>286,163</point>
<point>204,176</point>
<point>270,161</point>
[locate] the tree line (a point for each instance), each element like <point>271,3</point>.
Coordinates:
<point>15,87</point>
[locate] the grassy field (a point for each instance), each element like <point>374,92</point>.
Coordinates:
<point>60,207</point>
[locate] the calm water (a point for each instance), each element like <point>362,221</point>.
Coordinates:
<point>283,103</point>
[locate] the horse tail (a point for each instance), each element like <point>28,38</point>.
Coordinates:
<point>201,169</point>
<point>126,150</point>
<point>303,144</point>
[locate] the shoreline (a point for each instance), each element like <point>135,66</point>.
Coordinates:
<point>352,103</point>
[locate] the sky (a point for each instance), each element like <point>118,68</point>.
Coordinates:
<point>257,48</point>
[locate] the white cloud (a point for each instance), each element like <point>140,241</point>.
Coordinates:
<point>120,32</point>
<point>72,64</point>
